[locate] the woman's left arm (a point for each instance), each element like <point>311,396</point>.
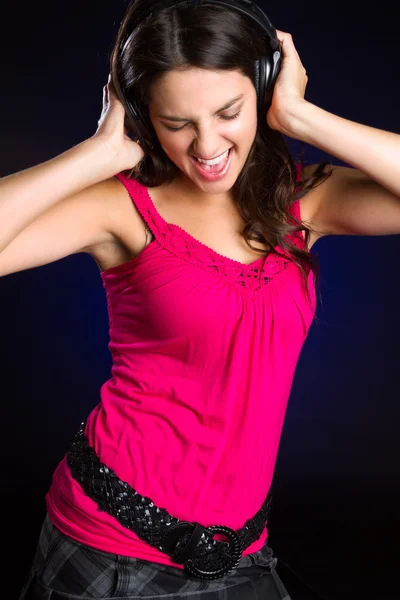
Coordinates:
<point>364,200</point>
<point>373,151</point>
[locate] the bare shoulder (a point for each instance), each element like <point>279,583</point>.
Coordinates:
<point>131,226</point>
<point>126,224</point>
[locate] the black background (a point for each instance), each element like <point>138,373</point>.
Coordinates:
<point>336,490</point>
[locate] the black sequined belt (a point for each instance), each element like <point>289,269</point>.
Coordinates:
<point>190,544</point>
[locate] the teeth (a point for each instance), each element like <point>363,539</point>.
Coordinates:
<point>214,161</point>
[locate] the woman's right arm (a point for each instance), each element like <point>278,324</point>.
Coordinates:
<point>65,205</point>
<point>25,195</point>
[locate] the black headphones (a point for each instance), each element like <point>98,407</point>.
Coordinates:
<point>266,70</point>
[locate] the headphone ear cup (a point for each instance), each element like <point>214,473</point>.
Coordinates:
<point>256,78</point>
<point>267,71</point>
<point>273,65</point>
<point>263,82</point>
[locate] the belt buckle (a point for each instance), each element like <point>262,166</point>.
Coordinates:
<point>197,565</point>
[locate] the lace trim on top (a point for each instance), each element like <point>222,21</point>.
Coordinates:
<point>181,244</point>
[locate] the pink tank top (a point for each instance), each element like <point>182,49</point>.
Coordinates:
<point>204,354</point>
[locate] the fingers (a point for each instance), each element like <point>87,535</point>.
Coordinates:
<point>289,48</point>
<point>284,38</point>
<point>282,34</point>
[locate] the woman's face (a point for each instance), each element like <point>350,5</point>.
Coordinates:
<point>199,125</point>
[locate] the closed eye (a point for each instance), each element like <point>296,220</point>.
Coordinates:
<point>222,117</point>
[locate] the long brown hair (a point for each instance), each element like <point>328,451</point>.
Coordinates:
<point>217,38</point>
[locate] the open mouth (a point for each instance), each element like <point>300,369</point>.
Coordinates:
<point>216,158</point>
<point>217,169</point>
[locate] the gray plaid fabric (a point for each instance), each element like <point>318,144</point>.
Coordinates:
<point>64,569</point>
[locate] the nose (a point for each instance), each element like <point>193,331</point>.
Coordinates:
<point>209,145</point>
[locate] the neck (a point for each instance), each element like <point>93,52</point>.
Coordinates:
<point>195,196</point>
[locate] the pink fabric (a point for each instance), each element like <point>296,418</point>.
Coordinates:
<point>204,356</point>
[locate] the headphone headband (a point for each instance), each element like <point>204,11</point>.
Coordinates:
<point>246,7</point>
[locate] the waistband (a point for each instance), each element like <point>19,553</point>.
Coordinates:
<point>190,544</point>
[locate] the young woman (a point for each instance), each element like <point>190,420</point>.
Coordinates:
<point>202,232</point>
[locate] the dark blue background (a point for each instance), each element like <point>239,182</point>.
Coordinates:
<point>335,518</point>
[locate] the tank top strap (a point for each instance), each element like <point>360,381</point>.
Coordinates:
<point>143,203</point>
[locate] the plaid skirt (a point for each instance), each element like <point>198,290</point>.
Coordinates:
<point>64,569</point>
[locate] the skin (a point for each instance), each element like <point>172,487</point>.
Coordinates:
<point>187,94</point>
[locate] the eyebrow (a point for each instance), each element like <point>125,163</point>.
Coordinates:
<point>225,107</point>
